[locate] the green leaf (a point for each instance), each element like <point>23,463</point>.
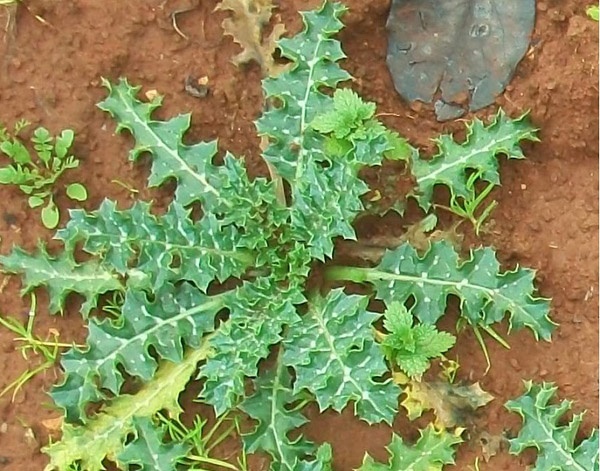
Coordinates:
<point>431,452</point>
<point>593,12</point>
<point>134,238</point>
<point>63,144</point>
<point>35,201</point>
<point>323,461</point>
<point>177,317</point>
<point>50,215</point>
<point>483,143</point>
<point>555,444</point>
<point>147,450</point>
<point>335,357</point>
<point>191,166</point>
<point>486,294</point>
<point>43,144</point>
<point>410,346</point>
<point>325,192</point>
<point>349,112</point>
<point>314,54</point>
<point>104,434</point>
<point>16,151</point>
<point>318,219</point>
<point>399,148</point>
<point>77,192</point>
<point>61,275</point>
<point>9,175</point>
<point>258,313</point>
<point>269,406</point>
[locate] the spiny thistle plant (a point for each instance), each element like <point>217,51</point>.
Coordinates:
<point>211,297</point>
<point>555,442</point>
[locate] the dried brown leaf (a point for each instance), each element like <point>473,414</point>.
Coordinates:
<point>53,425</point>
<point>246,24</point>
<point>453,405</point>
<point>490,444</point>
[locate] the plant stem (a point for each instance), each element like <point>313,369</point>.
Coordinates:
<point>496,336</point>
<point>483,346</point>
<point>355,274</point>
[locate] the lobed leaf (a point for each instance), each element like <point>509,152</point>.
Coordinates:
<point>61,275</point>
<point>320,214</point>
<point>325,189</point>
<point>103,435</point>
<point>433,450</point>
<point>166,248</point>
<point>258,313</point>
<point>225,191</point>
<point>269,406</point>
<point>147,452</point>
<point>191,166</point>
<point>176,317</point>
<point>482,144</point>
<point>314,54</point>
<point>335,357</point>
<point>555,444</point>
<point>486,294</point>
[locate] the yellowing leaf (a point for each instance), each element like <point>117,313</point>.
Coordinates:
<point>453,405</point>
<point>245,26</point>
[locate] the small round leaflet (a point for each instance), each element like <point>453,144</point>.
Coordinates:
<point>462,53</point>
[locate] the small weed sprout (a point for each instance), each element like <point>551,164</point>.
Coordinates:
<point>37,177</point>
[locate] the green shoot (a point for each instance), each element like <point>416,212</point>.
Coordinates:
<point>461,324</point>
<point>201,442</point>
<point>412,346</point>
<point>468,207</point>
<point>352,121</point>
<point>48,349</point>
<point>449,368</point>
<point>37,177</point>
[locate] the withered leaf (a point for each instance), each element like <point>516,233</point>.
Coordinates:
<point>246,24</point>
<point>490,444</point>
<point>453,404</point>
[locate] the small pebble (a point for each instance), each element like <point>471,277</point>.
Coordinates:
<point>515,364</point>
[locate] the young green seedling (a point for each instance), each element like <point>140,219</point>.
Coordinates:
<point>467,206</point>
<point>37,177</point>
<point>48,349</point>
<point>409,346</point>
<point>202,442</point>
